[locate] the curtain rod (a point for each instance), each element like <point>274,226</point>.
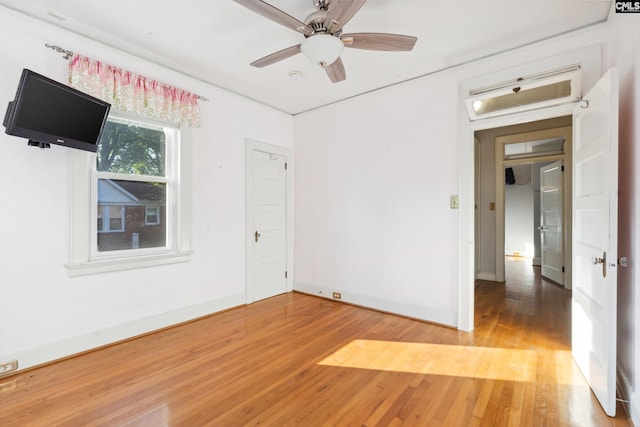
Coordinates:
<point>68,54</point>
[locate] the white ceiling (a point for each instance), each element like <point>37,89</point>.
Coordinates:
<point>216,40</point>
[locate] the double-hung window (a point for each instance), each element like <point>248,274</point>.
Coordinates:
<point>136,198</point>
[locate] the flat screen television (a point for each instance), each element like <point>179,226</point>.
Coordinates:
<point>48,112</point>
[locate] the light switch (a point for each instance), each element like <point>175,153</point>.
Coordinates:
<point>454,201</point>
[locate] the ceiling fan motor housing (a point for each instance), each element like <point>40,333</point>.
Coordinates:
<point>316,20</point>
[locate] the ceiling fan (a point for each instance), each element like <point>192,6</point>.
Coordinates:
<point>324,40</point>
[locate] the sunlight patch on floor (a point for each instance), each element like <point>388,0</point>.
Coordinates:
<point>437,359</point>
<point>158,416</point>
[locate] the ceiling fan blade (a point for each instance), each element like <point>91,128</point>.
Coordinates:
<point>273,13</point>
<point>341,11</point>
<point>276,57</point>
<point>336,71</point>
<point>379,41</point>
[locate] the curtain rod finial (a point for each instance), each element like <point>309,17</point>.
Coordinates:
<point>67,53</point>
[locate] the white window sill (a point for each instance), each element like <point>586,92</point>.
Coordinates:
<point>108,265</point>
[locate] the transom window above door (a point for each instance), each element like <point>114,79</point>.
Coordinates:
<point>536,148</point>
<point>525,93</point>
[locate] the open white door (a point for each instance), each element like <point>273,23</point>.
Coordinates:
<point>551,222</point>
<point>595,232</point>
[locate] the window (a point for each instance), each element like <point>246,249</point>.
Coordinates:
<point>133,167</point>
<point>136,198</point>
<point>152,215</point>
<point>110,219</point>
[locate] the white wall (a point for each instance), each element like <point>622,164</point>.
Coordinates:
<point>486,244</point>
<point>44,314</point>
<point>518,214</point>
<point>373,180</point>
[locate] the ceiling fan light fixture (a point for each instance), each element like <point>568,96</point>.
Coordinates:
<point>322,49</point>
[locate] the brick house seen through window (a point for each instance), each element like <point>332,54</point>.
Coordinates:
<point>131,214</point>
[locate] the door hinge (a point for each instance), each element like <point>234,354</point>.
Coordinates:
<point>562,168</point>
<point>285,165</point>
<point>563,268</point>
<point>286,274</point>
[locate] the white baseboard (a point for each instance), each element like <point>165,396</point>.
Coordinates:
<point>486,276</point>
<point>68,347</point>
<point>430,314</point>
<point>536,261</point>
<point>626,392</point>
<point>634,408</point>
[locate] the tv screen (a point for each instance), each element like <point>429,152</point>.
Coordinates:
<point>48,112</point>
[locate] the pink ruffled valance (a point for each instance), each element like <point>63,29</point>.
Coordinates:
<point>128,91</point>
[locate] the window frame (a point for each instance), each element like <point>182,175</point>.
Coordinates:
<point>84,257</point>
<point>171,133</point>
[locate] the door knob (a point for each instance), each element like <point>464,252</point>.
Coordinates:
<point>603,261</point>
<point>257,236</point>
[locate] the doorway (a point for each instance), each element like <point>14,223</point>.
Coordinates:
<point>595,120</point>
<point>268,214</point>
<point>498,150</point>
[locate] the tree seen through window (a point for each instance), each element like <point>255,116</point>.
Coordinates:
<point>130,149</point>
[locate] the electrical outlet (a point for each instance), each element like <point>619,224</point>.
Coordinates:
<point>337,295</point>
<point>9,366</point>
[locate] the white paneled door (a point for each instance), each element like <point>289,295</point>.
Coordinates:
<point>551,222</point>
<point>595,228</point>
<point>266,225</point>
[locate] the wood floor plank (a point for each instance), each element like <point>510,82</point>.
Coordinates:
<point>298,360</point>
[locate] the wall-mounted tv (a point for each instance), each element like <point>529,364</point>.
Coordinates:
<point>48,112</point>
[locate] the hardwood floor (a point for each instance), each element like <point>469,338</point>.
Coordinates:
<point>301,360</point>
